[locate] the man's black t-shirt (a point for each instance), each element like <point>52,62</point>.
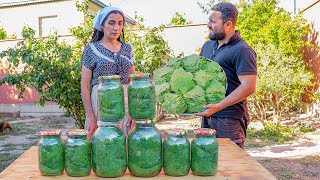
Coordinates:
<point>236,58</point>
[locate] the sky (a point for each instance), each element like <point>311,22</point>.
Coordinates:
<point>157,12</point>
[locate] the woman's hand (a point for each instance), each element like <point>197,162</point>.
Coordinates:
<point>91,126</point>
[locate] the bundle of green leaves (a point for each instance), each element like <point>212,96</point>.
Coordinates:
<point>186,84</point>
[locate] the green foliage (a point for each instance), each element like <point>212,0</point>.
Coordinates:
<point>274,132</point>
<point>277,38</point>
<point>178,19</point>
<point>3,34</point>
<point>49,66</point>
<point>184,85</point>
<point>149,47</point>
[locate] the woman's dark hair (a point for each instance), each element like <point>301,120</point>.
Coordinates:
<point>97,35</point>
<point>228,11</point>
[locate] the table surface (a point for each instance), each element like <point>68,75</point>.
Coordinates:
<point>233,163</point>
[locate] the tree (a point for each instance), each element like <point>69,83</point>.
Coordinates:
<point>49,66</point>
<point>53,68</point>
<point>178,19</point>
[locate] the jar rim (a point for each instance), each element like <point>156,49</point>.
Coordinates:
<point>50,132</point>
<point>140,75</point>
<point>108,77</point>
<point>77,132</point>
<point>204,131</point>
<point>106,123</point>
<point>176,131</point>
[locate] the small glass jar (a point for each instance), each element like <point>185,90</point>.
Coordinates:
<point>109,155</point>
<point>141,97</point>
<point>204,152</point>
<point>51,153</point>
<point>77,153</point>
<point>176,153</point>
<point>144,150</point>
<point>110,99</point>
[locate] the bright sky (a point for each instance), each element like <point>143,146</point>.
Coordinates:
<point>158,12</point>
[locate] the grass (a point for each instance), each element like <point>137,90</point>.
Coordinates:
<point>6,159</point>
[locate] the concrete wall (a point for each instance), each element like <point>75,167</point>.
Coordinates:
<point>187,39</point>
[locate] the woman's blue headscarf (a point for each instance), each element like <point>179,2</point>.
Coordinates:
<point>98,19</point>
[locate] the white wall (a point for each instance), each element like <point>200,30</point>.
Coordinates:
<point>312,15</point>
<point>186,39</point>
<point>13,19</point>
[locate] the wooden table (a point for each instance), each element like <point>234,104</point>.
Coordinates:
<point>234,163</point>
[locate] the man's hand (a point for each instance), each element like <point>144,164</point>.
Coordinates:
<point>91,126</point>
<point>211,109</point>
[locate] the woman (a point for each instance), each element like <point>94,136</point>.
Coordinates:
<point>106,54</point>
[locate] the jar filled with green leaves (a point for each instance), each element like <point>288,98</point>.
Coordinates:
<point>109,155</point>
<point>77,153</point>
<point>51,152</point>
<point>144,150</point>
<point>141,97</point>
<point>110,99</point>
<point>176,153</point>
<point>204,152</point>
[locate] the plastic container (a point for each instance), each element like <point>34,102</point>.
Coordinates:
<point>51,153</point>
<point>77,153</point>
<point>141,97</point>
<point>110,99</point>
<point>109,155</point>
<point>144,150</point>
<point>204,152</point>
<point>176,153</point>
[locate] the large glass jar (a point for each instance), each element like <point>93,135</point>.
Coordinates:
<point>51,153</point>
<point>141,97</point>
<point>204,152</point>
<point>110,99</point>
<point>109,155</point>
<point>144,150</point>
<point>176,153</point>
<point>77,153</point>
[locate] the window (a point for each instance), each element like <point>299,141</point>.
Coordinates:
<point>47,25</point>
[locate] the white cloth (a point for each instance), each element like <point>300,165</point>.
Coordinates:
<point>98,19</point>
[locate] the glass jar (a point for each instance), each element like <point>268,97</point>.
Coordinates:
<point>51,152</point>
<point>77,153</point>
<point>109,155</point>
<point>176,153</point>
<point>141,97</point>
<point>204,152</point>
<point>110,99</point>
<point>144,150</point>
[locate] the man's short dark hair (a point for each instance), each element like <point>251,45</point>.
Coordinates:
<point>228,11</point>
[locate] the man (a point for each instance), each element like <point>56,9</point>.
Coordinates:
<point>230,116</point>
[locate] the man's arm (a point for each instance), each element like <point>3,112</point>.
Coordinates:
<point>246,88</point>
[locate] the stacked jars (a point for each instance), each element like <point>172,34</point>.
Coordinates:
<point>176,153</point>
<point>51,153</point>
<point>109,157</point>
<point>144,140</point>
<point>77,153</point>
<point>204,152</point>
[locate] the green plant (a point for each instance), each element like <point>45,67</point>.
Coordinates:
<point>3,34</point>
<point>178,19</point>
<point>274,132</point>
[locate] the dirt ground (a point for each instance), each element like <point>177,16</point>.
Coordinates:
<point>299,159</point>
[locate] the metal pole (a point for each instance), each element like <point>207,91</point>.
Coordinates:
<point>295,7</point>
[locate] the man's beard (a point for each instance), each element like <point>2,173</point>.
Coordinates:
<point>217,36</point>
